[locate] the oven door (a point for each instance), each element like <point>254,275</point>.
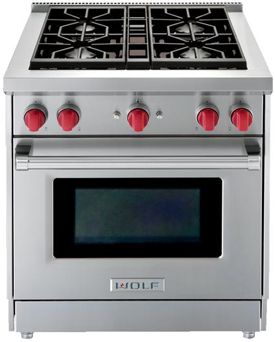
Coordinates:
<point>186,214</point>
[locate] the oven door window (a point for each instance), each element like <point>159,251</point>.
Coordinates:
<point>137,217</point>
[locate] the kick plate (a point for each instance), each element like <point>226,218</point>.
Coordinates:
<point>117,315</point>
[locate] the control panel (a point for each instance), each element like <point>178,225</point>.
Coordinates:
<point>145,115</point>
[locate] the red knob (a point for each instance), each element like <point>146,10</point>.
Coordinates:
<point>34,119</point>
<point>208,118</point>
<point>138,119</point>
<point>242,118</point>
<point>68,118</point>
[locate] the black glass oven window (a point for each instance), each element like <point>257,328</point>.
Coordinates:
<point>137,217</point>
<point>109,216</point>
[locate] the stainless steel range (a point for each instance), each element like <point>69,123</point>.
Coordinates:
<point>138,161</point>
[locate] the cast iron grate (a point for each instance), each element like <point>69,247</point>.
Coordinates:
<point>76,38</point>
<point>201,37</point>
<point>137,37</point>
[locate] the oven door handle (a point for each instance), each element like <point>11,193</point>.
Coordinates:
<point>24,161</point>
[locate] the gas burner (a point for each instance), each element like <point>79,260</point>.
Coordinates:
<point>120,37</point>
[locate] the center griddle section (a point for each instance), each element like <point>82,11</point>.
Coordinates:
<point>137,37</point>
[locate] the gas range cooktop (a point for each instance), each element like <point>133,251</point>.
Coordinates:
<point>137,37</point>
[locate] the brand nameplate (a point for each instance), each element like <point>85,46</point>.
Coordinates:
<point>137,284</point>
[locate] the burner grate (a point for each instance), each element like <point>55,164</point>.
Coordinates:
<point>137,37</point>
<point>76,38</point>
<point>201,37</point>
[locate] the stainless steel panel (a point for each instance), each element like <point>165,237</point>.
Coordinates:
<point>179,113</point>
<point>145,147</point>
<point>137,315</point>
<point>9,213</point>
<point>235,275</point>
<point>266,202</point>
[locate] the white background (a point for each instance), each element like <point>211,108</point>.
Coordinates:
<point>13,14</point>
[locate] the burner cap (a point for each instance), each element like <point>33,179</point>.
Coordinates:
<point>88,28</point>
<point>83,53</point>
<point>185,28</point>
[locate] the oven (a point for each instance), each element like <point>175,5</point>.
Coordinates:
<point>137,219</point>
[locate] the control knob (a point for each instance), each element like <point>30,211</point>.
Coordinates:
<point>35,118</point>
<point>242,118</point>
<point>67,118</point>
<point>138,119</point>
<point>208,118</point>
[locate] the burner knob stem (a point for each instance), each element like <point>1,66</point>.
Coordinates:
<point>68,118</point>
<point>208,118</point>
<point>138,119</point>
<point>34,119</point>
<point>242,118</point>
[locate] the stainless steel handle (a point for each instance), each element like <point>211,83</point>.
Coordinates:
<point>27,162</point>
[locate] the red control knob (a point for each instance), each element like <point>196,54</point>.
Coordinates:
<point>34,119</point>
<point>68,118</point>
<point>242,118</point>
<point>138,119</point>
<point>208,118</point>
